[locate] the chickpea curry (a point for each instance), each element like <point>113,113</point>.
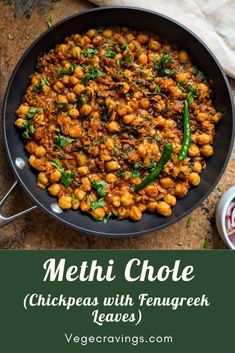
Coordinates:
<point>117,122</point>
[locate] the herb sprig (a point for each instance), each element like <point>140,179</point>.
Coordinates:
<point>66,177</point>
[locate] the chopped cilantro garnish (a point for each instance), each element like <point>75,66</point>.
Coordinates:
<point>110,53</point>
<point>162,65</point>
<point>97,204</point>
<point>136,165</point>
<point>61,141</point>
<point>189,89</point>
<point>31,112</point>
<point>99,187</point>
<point>66,177</point>
<point>89,52</point>
<point>135,173</point>
<point>74,199</point>
<point>29,129</point>
<point>41,84</point>
<point>124,46</point>
<point>70,70</point>
<point>106,219</point>
<point>93,73</point>
<point>120,173</point>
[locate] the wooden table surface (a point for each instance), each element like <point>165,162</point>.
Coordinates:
<point>37,230</point>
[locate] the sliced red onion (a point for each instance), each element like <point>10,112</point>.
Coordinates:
<point>230,208</point>
<point>232,238</point>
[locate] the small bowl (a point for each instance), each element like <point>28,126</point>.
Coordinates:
<point>221,210</point>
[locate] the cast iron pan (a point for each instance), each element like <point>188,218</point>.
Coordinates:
<point>142,20</point>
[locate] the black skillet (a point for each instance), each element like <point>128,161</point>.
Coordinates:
<point>142,20</point>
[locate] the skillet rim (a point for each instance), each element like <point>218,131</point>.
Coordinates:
<point>60,218</point>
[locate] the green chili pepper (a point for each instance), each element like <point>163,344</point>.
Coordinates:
<point>187,133</point>
<point>166,155</point>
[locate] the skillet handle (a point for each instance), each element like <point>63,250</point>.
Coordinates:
<point>6,220</point>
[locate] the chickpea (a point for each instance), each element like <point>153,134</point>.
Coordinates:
<point>95,60</point>
<point>111,178</point>
<point>79,88</point>
<point>152,206</point>
<point>107,33</point>
<point>193,150</point>
<point>54,189</point>
<point>135,213</point>
<point>138,95</point>
<point>194,179</point>
<point>204,139</point>
<point>42,178</point>
<point>116,201</point>
<point>197,167</point>
<point>65,79</point>
<point>109,144</point>
<point>72,97</point>
<point>144,103</point>
<point>160,121</point>
<point>55,176</point>
<point>75,131</point>
<point>127,175</point>
<point>112,165</point>
<point>58,86</point>
<point>22,110</point>
<point>91,33</point>
<point>31,147</point>
<point>105,155</point>
<point>74,81</point>
<point>98,214</point>
<point>77,38</point>
<point>85,110</point>
<point>170,199</point>
<point>74,113</point>
<point>65,202</point>
<point>134,104</point>
<point>182,76</point>
<point>86,184</point>
<point>80,194</point>
<point>164,209</point>
<point>216,117</point>
<point>207,150</point>
<point>84,170</point>
<point>141,149</point>
<point>78,72</point>
<point>113,126</point>
<point>143,59</point>
<point>127,199</point>
<point>20,123</point>
<point>122,110</point>
<point>151,190</point>
<point>202,117</point>
<point>85,206</point>
<point>76,51</point>
<point>129,118</point>
<point>142,38</point>
<point>122,212</point>
<point>62,99</point>
<point>154,149</point>
<point>40,152</point>
<point>166,182</point>
<point>204,89</point>
<point>180,189</point>
<point>153,45</point>
<point>85,40</point>
<point>123,87</point>
<point>183,57</point>
<point>81,158</point>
